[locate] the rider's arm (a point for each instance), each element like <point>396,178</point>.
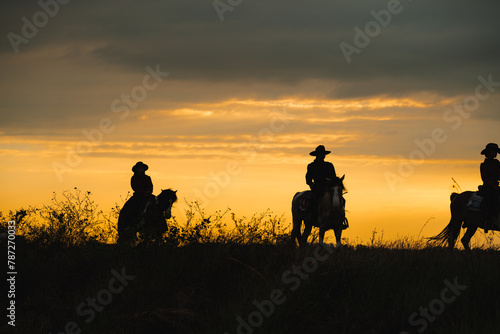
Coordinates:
<point>309,177</point>
<point>332,170</point>
<point>149,185</point>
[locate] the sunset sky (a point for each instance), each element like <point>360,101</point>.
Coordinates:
<point>224,100</point>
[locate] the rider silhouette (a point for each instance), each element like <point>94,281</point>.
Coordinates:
<point>490,174</point>
<point>142,186</point>
<point>320,175</point>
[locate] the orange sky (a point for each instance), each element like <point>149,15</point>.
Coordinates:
<point>251,173</point>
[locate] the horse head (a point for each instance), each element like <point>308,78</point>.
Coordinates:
<point>166,199</point>
<point>337,189</point>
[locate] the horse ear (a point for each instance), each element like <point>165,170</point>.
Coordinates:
<point>175,192</point>
<point>342,178</point>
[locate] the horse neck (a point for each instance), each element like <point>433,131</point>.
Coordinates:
<point>326,199</point>
<point>332,198</point>
<point>337,194</point>
<point>162,203</point>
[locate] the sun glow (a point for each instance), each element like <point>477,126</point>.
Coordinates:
<point>267,142</point>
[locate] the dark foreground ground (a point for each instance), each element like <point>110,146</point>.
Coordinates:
<point>224,288</point>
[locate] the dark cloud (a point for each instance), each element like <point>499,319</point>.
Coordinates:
<point>92,51</point>
<point>277,40</point>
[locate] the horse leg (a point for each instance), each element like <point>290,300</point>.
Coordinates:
<point>297,222</point>
<point>458,216</point>
<point>307,231</point>
<point>126,232</point>
<point>338,236</point>
<point>321,235</point>
<point>468,235</point>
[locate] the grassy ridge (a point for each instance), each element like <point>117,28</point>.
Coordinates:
<point>205,277</point>
<point>204,288</point>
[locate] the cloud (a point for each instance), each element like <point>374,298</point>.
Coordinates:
<point>427,46</point>
<point>226,77</point>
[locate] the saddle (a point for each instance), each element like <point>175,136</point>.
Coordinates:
<point>475,202</point>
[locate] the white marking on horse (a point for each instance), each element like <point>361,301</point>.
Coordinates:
<point>336,197</point>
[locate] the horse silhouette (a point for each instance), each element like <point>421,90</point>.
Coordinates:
<point>461,213</point>
<point>330,214</point>
<point>150,222</point>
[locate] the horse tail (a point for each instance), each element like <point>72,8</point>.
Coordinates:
<point>451,232</point>
<point>448,235</point>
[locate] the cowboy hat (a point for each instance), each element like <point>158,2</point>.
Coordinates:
<point>491,147</point>
<point>320,150</point>
<point>139,164</point>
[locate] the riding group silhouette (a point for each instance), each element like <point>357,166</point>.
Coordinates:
<point>322,206</point>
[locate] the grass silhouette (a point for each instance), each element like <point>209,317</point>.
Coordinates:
<point>208,276</point>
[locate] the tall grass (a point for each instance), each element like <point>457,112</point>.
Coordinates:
<point>73,218</point>
<point>226,227</point>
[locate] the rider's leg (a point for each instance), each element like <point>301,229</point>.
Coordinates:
<point>488,206</point>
